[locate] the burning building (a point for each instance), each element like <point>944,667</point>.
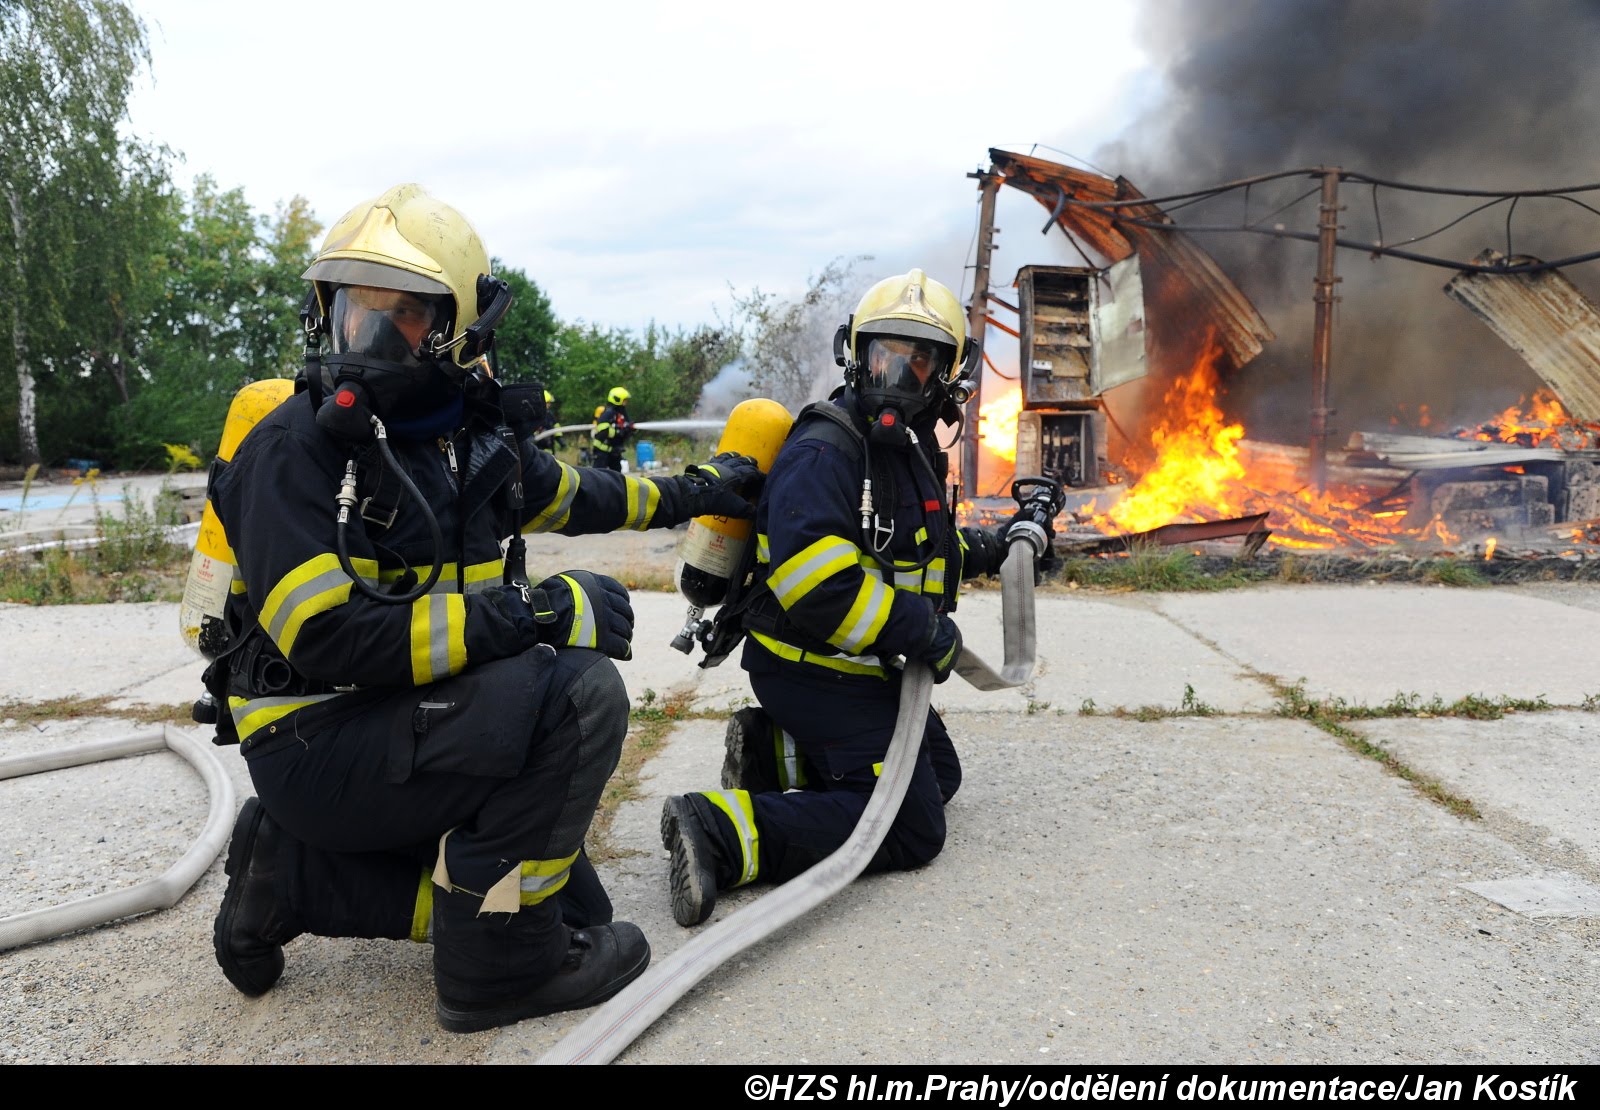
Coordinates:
<point>1121,370</point>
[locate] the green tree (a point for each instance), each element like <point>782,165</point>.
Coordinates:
<point>66,69</point>
<point>525,340</point>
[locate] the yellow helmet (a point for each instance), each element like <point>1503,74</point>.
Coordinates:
<point>407,239</point>
<point>905,348</point>
<point>549,398</point>
<point>914,306</point>
<point>618,396</point>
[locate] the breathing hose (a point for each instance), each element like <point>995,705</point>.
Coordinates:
<point>346,500</point>
<point>616,1024</point>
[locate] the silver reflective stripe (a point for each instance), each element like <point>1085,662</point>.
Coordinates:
<point>790,753</point>
<point>327,580</point>
<point>439,634</point>
<point>796,579</point>
<point>584,630</point>
<point>871,615</point>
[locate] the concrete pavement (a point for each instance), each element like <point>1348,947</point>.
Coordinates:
<point>1235,887</point>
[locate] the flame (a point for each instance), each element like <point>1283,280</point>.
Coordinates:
<point>1197,457</point>
<point>1488,548</point>
<point>1539,421</point>
<point>997,423</point>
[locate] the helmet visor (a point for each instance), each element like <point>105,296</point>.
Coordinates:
<point>390,325</point>
<point>907,367</point>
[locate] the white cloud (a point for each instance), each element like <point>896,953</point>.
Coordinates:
<point>636,158</point>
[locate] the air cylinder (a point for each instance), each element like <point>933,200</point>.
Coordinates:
<point>713,545</point>
<point>211,567</point>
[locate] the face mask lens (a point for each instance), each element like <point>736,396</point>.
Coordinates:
<point>389,325</point>
<point>909,367</point>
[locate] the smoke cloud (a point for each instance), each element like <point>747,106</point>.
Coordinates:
<point>1479,94</point>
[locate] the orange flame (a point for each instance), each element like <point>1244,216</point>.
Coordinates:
<point>1197,458</point>
<point>997,423</point>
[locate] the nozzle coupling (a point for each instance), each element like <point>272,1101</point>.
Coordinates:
<point>1029,532</point>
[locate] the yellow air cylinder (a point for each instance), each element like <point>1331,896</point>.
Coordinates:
<point>211,567</point>
<point>713,545</point>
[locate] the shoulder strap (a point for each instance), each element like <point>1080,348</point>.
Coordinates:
<point>828,422</point>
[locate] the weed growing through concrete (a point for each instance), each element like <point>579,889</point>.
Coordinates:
<point>133,560</point>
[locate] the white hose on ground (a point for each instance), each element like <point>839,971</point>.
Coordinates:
<point>614,1026</point>
<point>155,894</point>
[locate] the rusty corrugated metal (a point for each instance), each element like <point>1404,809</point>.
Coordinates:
<point>1165,256</point>
<point>1545,319</point>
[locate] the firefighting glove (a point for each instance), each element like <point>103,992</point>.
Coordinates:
<point>577,608</point>
<point>942,647</point>
<point>985,552</point>
<point>725,486</point>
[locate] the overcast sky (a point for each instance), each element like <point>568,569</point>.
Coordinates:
<point>635,159</point>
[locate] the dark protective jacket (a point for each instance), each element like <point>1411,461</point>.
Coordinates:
<point>276,502</point>
<point>612,428</point>
<point>819,600</point>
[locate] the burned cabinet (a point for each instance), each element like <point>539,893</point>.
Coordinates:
<point>1059,445</point>
<point>1082,332</point>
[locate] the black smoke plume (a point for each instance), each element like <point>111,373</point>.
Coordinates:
<point>1479,94</point>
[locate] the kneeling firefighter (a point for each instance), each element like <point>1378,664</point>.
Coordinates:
<point>428,732</point>
<point>857,567</point>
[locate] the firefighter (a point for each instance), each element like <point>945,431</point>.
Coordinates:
<point>612,429</point>
<point>428,733</point>
<point>837,601</point>
<point>552,419</point>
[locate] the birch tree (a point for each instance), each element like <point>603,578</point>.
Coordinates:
<point>66,70</point>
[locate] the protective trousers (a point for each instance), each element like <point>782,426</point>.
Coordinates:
<point>843,728</point>
<point>469,798</point>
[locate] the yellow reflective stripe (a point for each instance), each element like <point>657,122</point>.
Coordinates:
<point>832,662</point>
<point>585,632</point>
<point>922,535</point>
<point>236,586</point>
<point>251,715</point>
<point>422,909</point>
<point>877,770</point>
<point>543,877</point>
<point>481,576</point>
<point>763,549</point>
<point>736,804</point>
<point>640,510</point>
<point>554,514</point>
<point>438,637</point>
<point>933,577</point>
<point>315,585</point>
<point>866,617</point>
<point>802,573</point>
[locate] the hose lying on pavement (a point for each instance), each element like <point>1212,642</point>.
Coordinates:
<point>614,1026</point>
<point>156,894</point>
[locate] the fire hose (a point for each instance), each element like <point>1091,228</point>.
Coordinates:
<point>619,1021</point>
<point>687,427</point>
<point>156,894</point>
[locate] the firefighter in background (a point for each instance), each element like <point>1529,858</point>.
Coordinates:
<point>837,602</point>
<point>612,430</point>
<point>428,733</point>
<point>552,419</point>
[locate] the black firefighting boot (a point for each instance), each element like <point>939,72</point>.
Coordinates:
<point>493,969</point>
<point>704,845</point>
<point>255,921</point>
<point>750,759</point>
